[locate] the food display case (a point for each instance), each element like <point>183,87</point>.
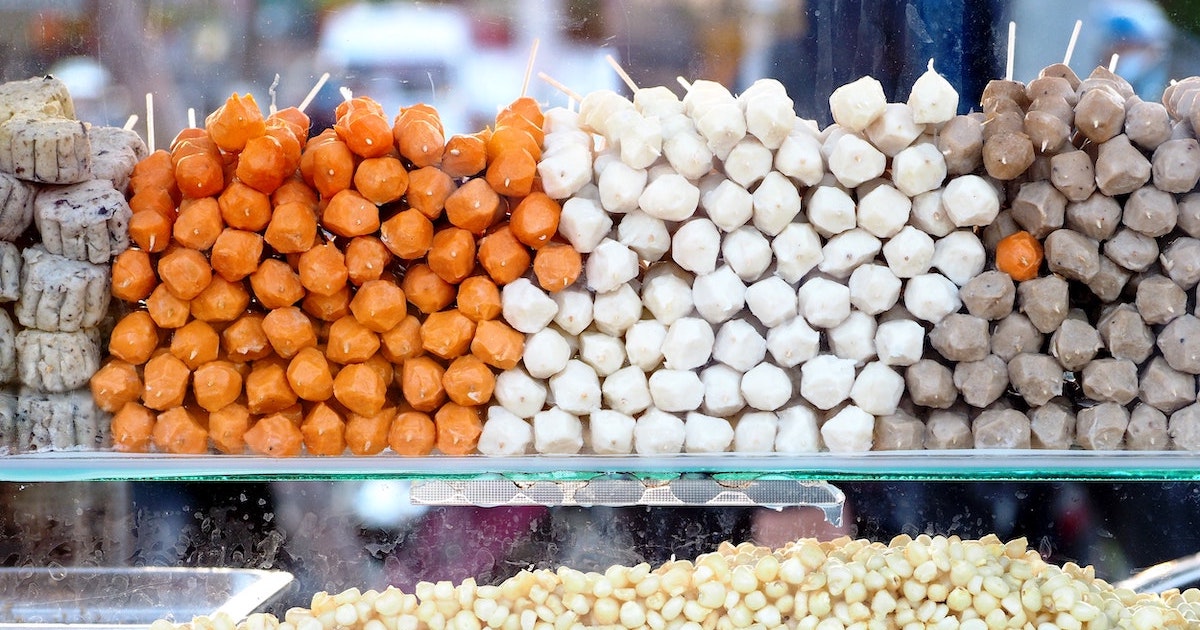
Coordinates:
<point>760,324</point>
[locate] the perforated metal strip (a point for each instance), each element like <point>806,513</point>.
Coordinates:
<point>618,491</point>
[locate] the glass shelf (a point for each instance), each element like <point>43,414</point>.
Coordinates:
<point>961,465</point>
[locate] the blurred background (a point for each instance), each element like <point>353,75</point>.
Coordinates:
<point>469,58</point>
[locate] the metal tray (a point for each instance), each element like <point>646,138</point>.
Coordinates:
<point>133,597</point>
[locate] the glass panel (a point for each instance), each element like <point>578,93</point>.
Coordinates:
<point>367,534</point>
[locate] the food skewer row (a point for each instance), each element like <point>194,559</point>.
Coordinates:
<point>929,582</point>
<point>340,293</point>
<point>706,273</point>
<point>63,217</point>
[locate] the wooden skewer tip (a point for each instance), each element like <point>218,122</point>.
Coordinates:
<point>308,99</point>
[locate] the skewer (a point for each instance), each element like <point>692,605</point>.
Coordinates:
<point>684,82</point>
<point>150,121</point>
<point>633,87</point>
<point>191,117</point>
<point>1112,63</point>
<point>559,86</point>
<point>529,66</point>
<point>1071,44</point>
<point>271,91</point>
<point>346,93</point>
<point>308,99</point>
<point>1012,46</point>
<point>130,122</point>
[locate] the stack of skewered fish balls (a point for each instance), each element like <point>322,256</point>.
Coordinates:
<point>66,179</point>
<point>754,283</point>
<point>736,294</point>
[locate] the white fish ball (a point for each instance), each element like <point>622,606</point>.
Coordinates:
<point>797,432</point>
<point>823,302</point>
<point>706,434</point>
<point>520,393</point>
<point>559,120</point>
<point>857,104</point>
<point>688,153</point>
<point>873,288</point>
<point>657,432</point>
<point>770,113</point>
<point>776,203</point>
<point>747,252</point>
<point>933,99</point>
<point>670,198</point>
<point>894,129</point>
<point>640,140</point>
<point>877,389</point>
<point>722,125</point>
<point>688,344</point>
<point>620,186</point>
<point>584,224</point>
<point>604,353</point>
<point>797,251</point>
<point>739,345</point>
<point>722,390</point>
<point>557,432</point>
<point>918,169</point>
<point>504,434</point>
<point>799,157</point>
<point>755,432</point>
<point>826,380</point>
<point>610,265</point>
<point>565,169</point>
<point>525,306</point>
<point>959,255</point>
<point>597,106</point>
<point>546,353</point>
<point>696,245</point>
<point>643,343</point>
<point>831,210</point>
<point>615,311</point>
<point>676,390</point>
<point>748,162</point>
<point>719,295</point>
<point>658,100</point>
<point>793,342</point>
<point>909,253</point>
<point>644,234</point>
<point>845,252</point>
<point>929,215</point>
<point>773,301</point>
<point>969,200</point>
<point>931,297</point>
<point>854,338</point>
<point>850,430</point>
<point>611,432</point>
<point>667,292</point>
<point>574,309</point>
<point>766,387</point>
<point>626,390</point>
<point>899,342</point>
<point>855,161</point>
<point>883,211</point>
<point>728,205</point>
<point>576,388</point>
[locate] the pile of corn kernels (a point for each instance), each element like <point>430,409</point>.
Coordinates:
<point>943,583</point>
